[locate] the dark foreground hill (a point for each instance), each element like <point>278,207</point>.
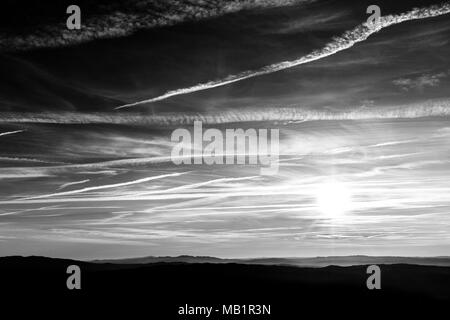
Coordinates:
<point>157,291</point>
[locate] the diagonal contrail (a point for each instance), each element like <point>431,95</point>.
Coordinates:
<point>347,40</point>
<point>108,186</point>
<point>65,185</point>
<point>10,132</point>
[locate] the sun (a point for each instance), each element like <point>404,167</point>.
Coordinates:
<point>334,199</point>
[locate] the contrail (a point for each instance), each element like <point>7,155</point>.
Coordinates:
<point>424,108</point>
<point>346,41</point>
<point>195,185</point>
<point>65,185</point>
<point>108,186</point>
<point>10,132</point>
<point>120,21</point>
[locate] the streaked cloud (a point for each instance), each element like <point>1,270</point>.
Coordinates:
<point>68,184</point>
<point>421,82</point>
<point>93,182</point>
<point>346,41</point>
<point>428,108</point>
<point>109,186</point>
<point>122,18</point>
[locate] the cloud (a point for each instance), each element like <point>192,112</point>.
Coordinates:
<point>126,17</point>
<point>15,159</point>
<point>109,186</point>
<point>427,108</point>
<point>346,41</point>
<point>420,83</point>
<point>65,185</point>
<point>321,21</point>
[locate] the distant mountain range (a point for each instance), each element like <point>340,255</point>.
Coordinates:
<point>343,261</point>
<point>133,287</point>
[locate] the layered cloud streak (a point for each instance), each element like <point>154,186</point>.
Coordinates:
<point>347,40</point>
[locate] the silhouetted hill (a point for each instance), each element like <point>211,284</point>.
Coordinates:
<point>157,290</point>
<point>183,258</point>
<point>300,262</point>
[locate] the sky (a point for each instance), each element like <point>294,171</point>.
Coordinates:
<point>86,118</point>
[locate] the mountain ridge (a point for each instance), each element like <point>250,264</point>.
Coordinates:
<point>293,261</point>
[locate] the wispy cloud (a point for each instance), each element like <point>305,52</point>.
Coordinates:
<point>427,108</point>
<point>421,82</point>
<point>346,41</point>
<point>122,18</point>
<point>108,186</point>
<point>65,185</point>
<point>397,193</point>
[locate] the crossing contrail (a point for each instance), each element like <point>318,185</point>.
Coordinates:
<point>345,41</point>
<point>108,186</point>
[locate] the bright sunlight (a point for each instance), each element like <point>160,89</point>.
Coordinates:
<point>333,199</point>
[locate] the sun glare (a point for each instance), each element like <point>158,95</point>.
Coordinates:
<point>333,199</point>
